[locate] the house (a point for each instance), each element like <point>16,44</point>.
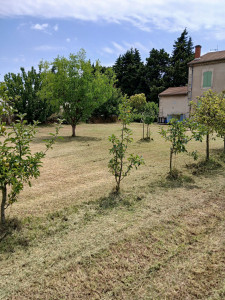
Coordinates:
<point>205,72</point>
<point>173,103</point>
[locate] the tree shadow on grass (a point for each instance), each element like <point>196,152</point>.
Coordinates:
<point>11,236</point>
<point>205,168</point>
<point>113,200</point>
<point>67,139</point>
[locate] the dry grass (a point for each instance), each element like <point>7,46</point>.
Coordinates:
<point>69,238</point>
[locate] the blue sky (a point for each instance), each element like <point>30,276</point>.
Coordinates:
<point>42,29</point>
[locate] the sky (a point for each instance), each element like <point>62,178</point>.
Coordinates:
<point>35,30</point>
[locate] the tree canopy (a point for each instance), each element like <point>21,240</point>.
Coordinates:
<point>73,86</point>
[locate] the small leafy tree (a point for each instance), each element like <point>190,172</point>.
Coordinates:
<point>176,135</point>
<point>220,121</point>
<point>149,115</point>
<point>119,166</point>
<point>205,114</point>
<point>18,165</point>
<point>138,103</point>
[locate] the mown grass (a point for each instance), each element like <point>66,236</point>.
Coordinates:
<point>71,237</point>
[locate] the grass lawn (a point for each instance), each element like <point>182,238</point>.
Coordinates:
<point>70,237</point>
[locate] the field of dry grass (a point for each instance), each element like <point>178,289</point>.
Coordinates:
<point>71,238</point>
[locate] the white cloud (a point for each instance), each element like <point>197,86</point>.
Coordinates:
<point>170,15</point>
<point>49,48</point>
<point>41,27</point>
<point>68,40</point>
<point>121,48</point>
<point>56,27</point>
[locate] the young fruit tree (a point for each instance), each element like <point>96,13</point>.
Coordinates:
<point>176,135</point>
<point>18,164</point>
<point>149,115</point>
<point>220,122</point>
<point>205,115</point>
<point>120,165</point>
<point>75,87</point>
<point>138,103</point>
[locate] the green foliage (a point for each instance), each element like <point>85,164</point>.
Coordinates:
<point>129,71</point>
<point>149,115</point>
<point>206,116</point>
<point>220,120</point>
<point>121,165</point>
<point>138,102</point>
<point>74,87</point>
<point>23,89</point>
<point>157,73</point>
<point>18,165</point>
<point>182,54</point>
<point>111,106</point>
<point>176,135</point>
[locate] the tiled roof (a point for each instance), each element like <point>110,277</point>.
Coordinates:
<point>181,90</point>
<point>209,57</point>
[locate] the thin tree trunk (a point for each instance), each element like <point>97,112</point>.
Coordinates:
<point>73,130</point>
<point>224,144</point>
<point>143,130</point>
<point>4,198</point>
<point>171,160</point>
<point>207,147</point>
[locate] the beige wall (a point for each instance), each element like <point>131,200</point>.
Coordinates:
<point>218,79</point>
<point>169,105</point>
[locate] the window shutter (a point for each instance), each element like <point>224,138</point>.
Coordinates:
<point>207,79</point>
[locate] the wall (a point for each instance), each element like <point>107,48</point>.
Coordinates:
<point>218,79</point>
<point>173,105</point>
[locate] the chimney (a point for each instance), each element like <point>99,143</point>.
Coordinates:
<point>197,51</point>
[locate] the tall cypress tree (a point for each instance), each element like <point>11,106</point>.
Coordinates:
<point>182,54</point>
<point>157,73</point>
<point>129,68</point>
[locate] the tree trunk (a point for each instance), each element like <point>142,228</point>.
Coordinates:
<point>171,160</point>
<point>4,198</point>
<point>224,144</point>
<point>207,147</point>
<point>143,130</point>
<point>73,130</point>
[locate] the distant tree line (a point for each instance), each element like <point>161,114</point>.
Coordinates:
<point>91,90</point>
<point>160,71</point>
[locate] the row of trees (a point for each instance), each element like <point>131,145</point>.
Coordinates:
<point>160,71</point>
<point>74,85</point>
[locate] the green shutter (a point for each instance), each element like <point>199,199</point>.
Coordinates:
<point>207,79</point>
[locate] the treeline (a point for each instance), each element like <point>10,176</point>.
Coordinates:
<point>92,91</point>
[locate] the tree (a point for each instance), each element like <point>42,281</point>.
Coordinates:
<point>23,88</point>
<point>205,115</point>
<point>120,145</point>
<point>149,115</point>
<point>182,54</point>
<point>220,120</point>
<point>157,74</point>
<point>176,135</point>
<point>18,165</point>
<point>129,70</point>
<point>74,87</point>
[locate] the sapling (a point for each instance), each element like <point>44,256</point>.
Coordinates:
<point>18,165</point>
<point>176,135</point>
<point>119,165</point>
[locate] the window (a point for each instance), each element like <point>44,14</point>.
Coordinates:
<point>207,79</point>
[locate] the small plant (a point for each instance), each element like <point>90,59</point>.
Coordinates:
<point>17,162</point>
<point>176,135</point>
<point>119,166</point>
